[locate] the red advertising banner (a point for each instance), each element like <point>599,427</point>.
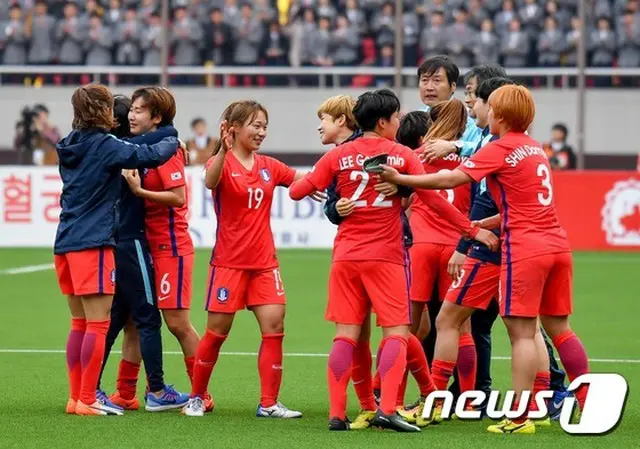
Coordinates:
<point>599,209</point>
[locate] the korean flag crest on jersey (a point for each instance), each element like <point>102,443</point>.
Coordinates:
<point>223,295</point>
<point>266,176</point>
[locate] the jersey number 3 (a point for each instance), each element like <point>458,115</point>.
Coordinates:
<point>545,198</point>
<point>378,202</point>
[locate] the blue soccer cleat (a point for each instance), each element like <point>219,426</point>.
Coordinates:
<point>556,402</point>
<point>107,404</point>
<point>169,399</point>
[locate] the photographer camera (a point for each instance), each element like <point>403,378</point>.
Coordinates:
<point>25,140</point>
<point>36,138</point>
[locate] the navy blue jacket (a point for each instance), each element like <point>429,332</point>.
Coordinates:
<point>90,165</point>
<point>130,221</point>
<point>332,199</point>
<point>482,206</point>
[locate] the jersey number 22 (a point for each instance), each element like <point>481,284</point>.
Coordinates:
<point>378,202</point>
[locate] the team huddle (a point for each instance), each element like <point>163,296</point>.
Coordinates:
<point>445,217</point>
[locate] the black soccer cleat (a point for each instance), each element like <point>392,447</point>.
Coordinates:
<point>337,424</point>
<point>393,422</point>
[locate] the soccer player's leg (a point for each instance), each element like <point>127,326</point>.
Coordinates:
<point>557,305</point>
<point>387,287</point>
<point>557,380</point>
<point>93,277</point>
<point>125,395</point>
<point>174,291</point>
<point>362,379</point>
<point>543,377</point>
<point>347,307</point>
<point>425,266</point>
<point>466,364</point>
<point>266,298</point>
<point>128,287</point>
<point>146,321</point>
<point>226,294</point>
<point>521,286</point>
<point>477,285</point>
<point>76,331</point>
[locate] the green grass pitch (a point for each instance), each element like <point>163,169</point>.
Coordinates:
<point>34,386</point>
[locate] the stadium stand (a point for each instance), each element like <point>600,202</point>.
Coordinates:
<point>515,33</point>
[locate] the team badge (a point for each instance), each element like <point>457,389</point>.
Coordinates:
<point>266,176</point>
<point>113,276</point>
<point>223,294</point>
<point>621,214</point>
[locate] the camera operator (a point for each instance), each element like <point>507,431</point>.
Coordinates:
<point>36,137</point>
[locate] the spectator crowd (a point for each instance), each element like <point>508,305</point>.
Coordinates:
<point>514,33</point>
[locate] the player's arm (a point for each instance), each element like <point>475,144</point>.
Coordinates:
<point>444,179</point>
<point>318,179</point>
<point>175,197</point>
<point>330,206</point>
<point>214,169</point>
<point>119,154</point>
<point>493,222</point>
<point>215,165</point>
<point>485,162</point>
<point>446,210</point>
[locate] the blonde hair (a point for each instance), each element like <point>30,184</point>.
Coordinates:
<point>449,120</point>
<point>514,105</point>
<point>338,106</point>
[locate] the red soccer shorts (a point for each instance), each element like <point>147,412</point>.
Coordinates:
<point>357,286</point>
<point>87,272</point>
<point>173,281</point>
<point>541,285</point>
<point>230,289</point>
<point>429,263</point>
<point>477,286</point>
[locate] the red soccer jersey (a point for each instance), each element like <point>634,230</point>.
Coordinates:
<point>519,179</point>
<point>242,202</point>
<point>167,227</point>
<point>429,227</point>
<point>373,231</point>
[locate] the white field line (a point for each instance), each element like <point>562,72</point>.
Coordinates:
<point>28,269</point>
<point>253,354</point>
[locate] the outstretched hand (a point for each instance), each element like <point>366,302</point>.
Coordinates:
<point>388,173</point>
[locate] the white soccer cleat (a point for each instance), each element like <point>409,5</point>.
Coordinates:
<point>195,407</point>
<point>277,411</point>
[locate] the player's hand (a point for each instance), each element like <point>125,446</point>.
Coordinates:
<point>488,238</point>
<point>185,152</point>
<point>436,149</point>
<point>318,196</point>
<point>454,268</point>
<point>226,137</point>
<point>132,178</point>
<point>386,188</point>
<point>345,206</point>
<point>388,173</point>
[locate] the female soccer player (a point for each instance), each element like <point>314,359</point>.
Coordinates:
<point>135,301</point>
<point>244,270</point>
<point>435,239</point>
<point>90,165</point>
<point>536,271</point>
<point>166,208</point>
<point>369,262</point>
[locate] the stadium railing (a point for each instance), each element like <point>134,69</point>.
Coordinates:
<point>554,77</point>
